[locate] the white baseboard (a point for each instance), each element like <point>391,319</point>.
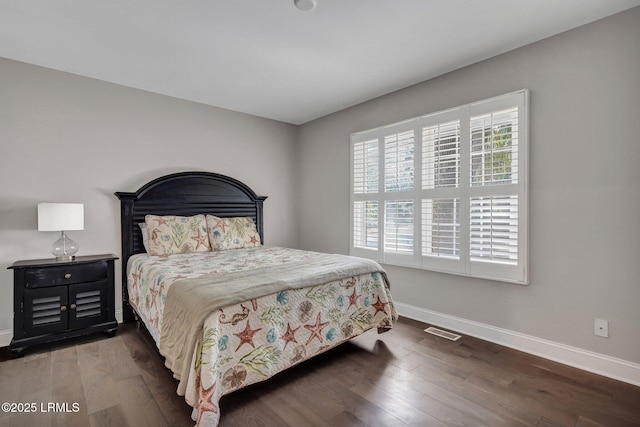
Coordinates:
<point>5,337</point>
<point>611,367</point>
<point>601,364</point>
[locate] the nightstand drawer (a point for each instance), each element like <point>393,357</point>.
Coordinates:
<point>65,275</point>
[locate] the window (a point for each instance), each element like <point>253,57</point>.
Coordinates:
<point>445,191</point>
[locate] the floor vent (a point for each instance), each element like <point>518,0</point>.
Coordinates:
<point>444,334</point>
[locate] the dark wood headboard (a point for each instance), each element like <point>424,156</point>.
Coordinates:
<point>185,193</point>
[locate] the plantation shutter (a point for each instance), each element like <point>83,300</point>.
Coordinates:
<point>497,197</point>
<point>365,184</point>
<point>446,191</point>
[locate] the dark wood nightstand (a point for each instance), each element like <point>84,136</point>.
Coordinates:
<point>55,300</point>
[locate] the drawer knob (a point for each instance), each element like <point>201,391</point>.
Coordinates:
<point>63,308</point>
<point>67,276</point>
<point>73,306</point>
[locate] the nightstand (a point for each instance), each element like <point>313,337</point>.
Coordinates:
<point>54,300</point>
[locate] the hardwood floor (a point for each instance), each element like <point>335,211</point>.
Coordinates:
<point>404,377</point>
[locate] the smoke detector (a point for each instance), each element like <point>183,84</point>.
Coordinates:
<point>305,5</point>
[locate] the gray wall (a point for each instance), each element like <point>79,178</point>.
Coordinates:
<point>584,187</point>
<point>65,138</point>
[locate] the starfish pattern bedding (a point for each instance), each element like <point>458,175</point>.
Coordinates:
<point>250,341</point>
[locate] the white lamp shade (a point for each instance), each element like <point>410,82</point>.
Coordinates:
<point>60,216</point>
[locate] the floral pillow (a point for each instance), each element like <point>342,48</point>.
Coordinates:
<point>232,233</point>
<point>145,236</point>
<point>177,234</point>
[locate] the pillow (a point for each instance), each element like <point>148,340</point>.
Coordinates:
<point>232,233</point>
<point>177,234</point>
<point>145,236</point>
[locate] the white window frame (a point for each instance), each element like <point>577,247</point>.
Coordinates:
<point>514,270</point>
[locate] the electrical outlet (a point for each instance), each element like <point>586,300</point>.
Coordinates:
<point>601,328</point>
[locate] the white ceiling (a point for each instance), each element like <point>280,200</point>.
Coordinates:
<point>267,58</point>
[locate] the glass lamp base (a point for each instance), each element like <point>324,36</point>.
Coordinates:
<point>64,249</point>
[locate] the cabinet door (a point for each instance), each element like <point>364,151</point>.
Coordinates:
<point>87,304</point>
<point>45,310</point>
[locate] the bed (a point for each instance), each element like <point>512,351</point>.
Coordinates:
<point>237,311</point>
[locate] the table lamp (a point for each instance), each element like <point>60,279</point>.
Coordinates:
<point>61,217</point>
